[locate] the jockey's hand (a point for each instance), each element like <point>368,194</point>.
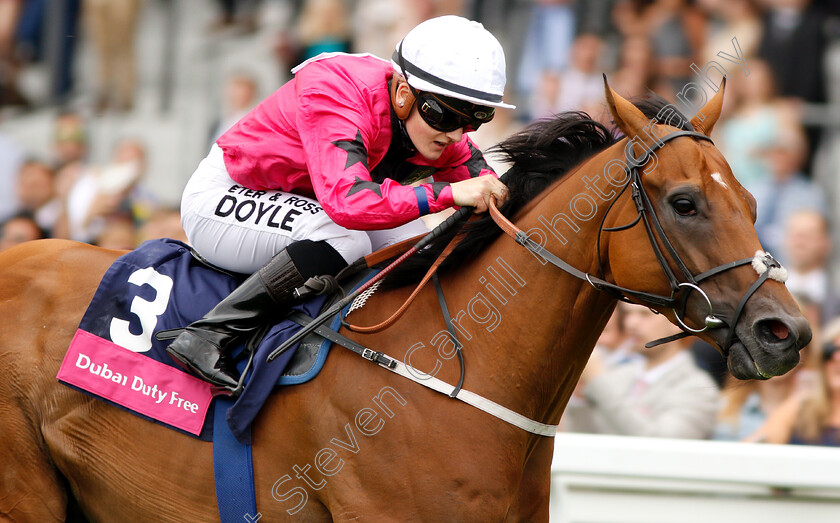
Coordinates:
<point>476,192</point>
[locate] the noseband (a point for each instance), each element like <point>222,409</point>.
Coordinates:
<point>766,266</point>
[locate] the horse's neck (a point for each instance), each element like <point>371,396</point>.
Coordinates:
<point>545,322</point>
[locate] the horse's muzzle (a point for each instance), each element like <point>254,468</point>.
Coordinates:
<point>770,348</point>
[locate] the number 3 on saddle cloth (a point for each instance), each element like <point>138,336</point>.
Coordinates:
<point>160,286</point>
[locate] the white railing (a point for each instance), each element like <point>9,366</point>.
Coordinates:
<point>612,479</point>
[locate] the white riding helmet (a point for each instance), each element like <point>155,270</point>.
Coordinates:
<point>455,57</point>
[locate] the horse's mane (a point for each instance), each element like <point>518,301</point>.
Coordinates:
<point>539,154</point>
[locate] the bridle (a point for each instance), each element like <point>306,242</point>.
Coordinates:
<point>763,263</point>
<point>680,290</point>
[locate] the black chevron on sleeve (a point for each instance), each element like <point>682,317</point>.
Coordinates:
<point>476,162</point>
<point>438,187</point>
<point>361,185</point>
<point>356,150</point>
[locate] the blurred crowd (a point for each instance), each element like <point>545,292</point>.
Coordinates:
<point>65,196</point>
<point>774,52</point>
<point>777,56</point>
<point>672,391</point>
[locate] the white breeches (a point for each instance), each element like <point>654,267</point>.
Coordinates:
<point>240,229</point>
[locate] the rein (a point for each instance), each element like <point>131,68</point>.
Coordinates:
<point>763,262</point>
<point>429,274</point>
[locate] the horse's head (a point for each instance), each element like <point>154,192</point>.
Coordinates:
<point>695,221</point>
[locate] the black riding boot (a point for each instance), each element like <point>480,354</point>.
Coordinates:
<point>202,346</point>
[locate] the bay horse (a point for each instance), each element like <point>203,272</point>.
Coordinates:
<point>360,443</point>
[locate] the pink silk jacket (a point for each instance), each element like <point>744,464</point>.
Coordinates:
<point>325,134</point>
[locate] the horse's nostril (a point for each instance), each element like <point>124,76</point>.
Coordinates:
<point>773,331</point>
<point>779,329</point>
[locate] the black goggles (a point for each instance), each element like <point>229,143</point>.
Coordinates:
<point>447,114</point>
<point>444,113</point>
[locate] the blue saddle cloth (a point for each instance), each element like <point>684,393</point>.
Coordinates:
<point>195,289</point>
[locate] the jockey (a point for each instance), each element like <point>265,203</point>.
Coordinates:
<point>319,173</point>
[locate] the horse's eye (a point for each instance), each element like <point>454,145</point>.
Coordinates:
<point>684,207</point>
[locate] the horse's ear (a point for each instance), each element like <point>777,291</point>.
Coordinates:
<point>705,119</point>
<point>626,116</point>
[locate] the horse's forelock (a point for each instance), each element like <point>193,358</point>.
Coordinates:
<point>652,106</point>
